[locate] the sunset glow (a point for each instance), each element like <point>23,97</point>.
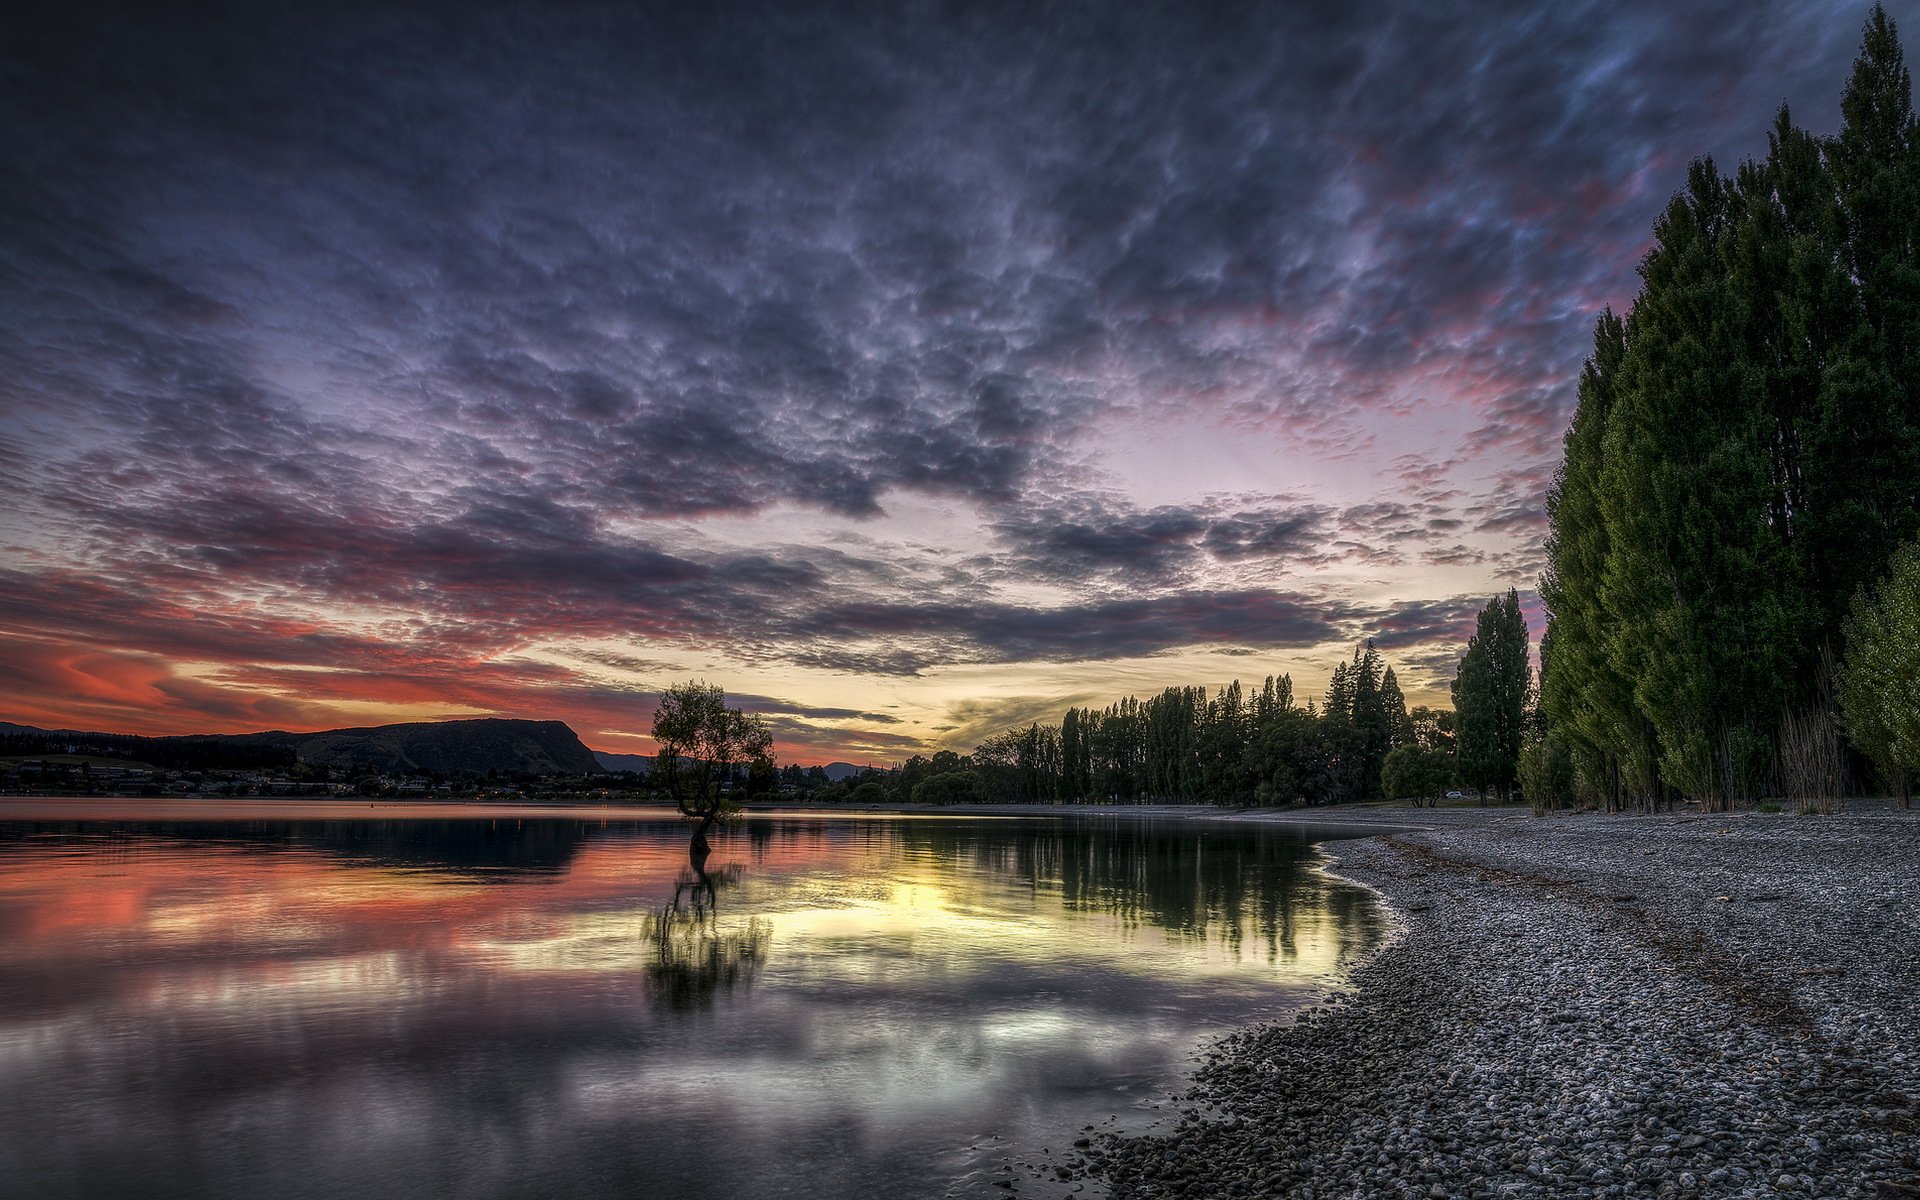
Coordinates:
<point>910,376</point>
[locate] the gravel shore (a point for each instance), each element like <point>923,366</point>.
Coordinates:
<point>1590,1006</point>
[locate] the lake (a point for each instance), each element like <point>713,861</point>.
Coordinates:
<point>330,999</point>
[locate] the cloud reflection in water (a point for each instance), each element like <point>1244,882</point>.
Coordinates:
<point>516,1006</point>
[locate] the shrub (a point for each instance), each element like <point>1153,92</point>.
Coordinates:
<point>952,787</point>
<point>1415,773</point>
<point>1880,678</point>
<point>1546,774</point>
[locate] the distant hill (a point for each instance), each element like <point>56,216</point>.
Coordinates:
<point>478,746</point>
<point>837,771</point>
<point>639,764</point>
<point>10,727</point>
<point>451,747</point>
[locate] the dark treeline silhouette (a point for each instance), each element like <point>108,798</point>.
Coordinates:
<point>1744,459</point>
<point>169,754</point>
<point>1184,746</point>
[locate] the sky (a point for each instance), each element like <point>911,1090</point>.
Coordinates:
<point>910,370</point>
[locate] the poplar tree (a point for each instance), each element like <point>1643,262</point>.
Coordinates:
<point>1868,442</point>
<point>1490,693</point>
<point>1586,696</point>
<point>1393,703</point>
<point>1076,781</point>
<point>1742,458</point>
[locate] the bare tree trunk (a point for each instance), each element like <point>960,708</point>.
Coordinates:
<point>698,851</point>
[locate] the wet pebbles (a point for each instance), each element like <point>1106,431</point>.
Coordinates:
<point>1595,1006</point>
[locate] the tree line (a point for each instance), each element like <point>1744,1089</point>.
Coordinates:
<point>1182,746</point>
<point>1186,746</point>
<point>1742,465</point>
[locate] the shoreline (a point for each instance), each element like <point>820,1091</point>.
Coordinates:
<point>1583,1006</point>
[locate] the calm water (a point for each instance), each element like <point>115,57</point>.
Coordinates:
<point>328,1000</point>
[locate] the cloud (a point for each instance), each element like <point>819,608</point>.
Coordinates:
<point>923,635</point>
<point>1089,537</point>
<point>1414,623</point>
<point>372,338</point>
<point>970,722</point>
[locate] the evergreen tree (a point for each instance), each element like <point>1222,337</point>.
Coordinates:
<point>1182,746</point>
<point>1867,440</point>
<point>1372,727</point>
<point>1076,781</point>
<point>1225,775</point>
<point>1587,697</point>
<point>1338,768</point>
<point>1742,457</point>
<point>1490,694</point>
<point>1394,705</point>
<point>1274,743</point>
<point>1700,579</point>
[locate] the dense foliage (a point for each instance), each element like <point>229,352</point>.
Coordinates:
<point>1742,460</point>
<point>1880,688</point>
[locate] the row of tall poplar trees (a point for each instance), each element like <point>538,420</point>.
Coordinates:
<point>1236,746</point>
<point>1744,456</point>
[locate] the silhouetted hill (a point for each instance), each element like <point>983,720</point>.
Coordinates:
<point>837,771</point>
<point>639,764</point>
<point>449,747</point>
<point>452,747</point>
<point>10,727</point>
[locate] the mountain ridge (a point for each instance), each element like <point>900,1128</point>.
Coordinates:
<point>468,746</point>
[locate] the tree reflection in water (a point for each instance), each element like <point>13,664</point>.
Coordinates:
<point>695,959</point>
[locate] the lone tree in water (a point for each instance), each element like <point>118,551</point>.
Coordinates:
<point>702,742</point>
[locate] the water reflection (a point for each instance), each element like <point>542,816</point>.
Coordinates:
<point>505,1004</point>
<point>494,847</point>
<point>1190,877</point>
<point>695,958</point>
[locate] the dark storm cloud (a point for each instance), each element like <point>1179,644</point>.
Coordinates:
<point>1451,621</point>
<point>461,311</point>
<point>771,707</point>
<point>1087,537</point>
<point>922,635</point>
<point>816,628</point>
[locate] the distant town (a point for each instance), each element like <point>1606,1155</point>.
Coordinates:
<point>445,761</point>
<point>76,774</point>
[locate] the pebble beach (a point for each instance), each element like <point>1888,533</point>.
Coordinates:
<point>1684,1005</point>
